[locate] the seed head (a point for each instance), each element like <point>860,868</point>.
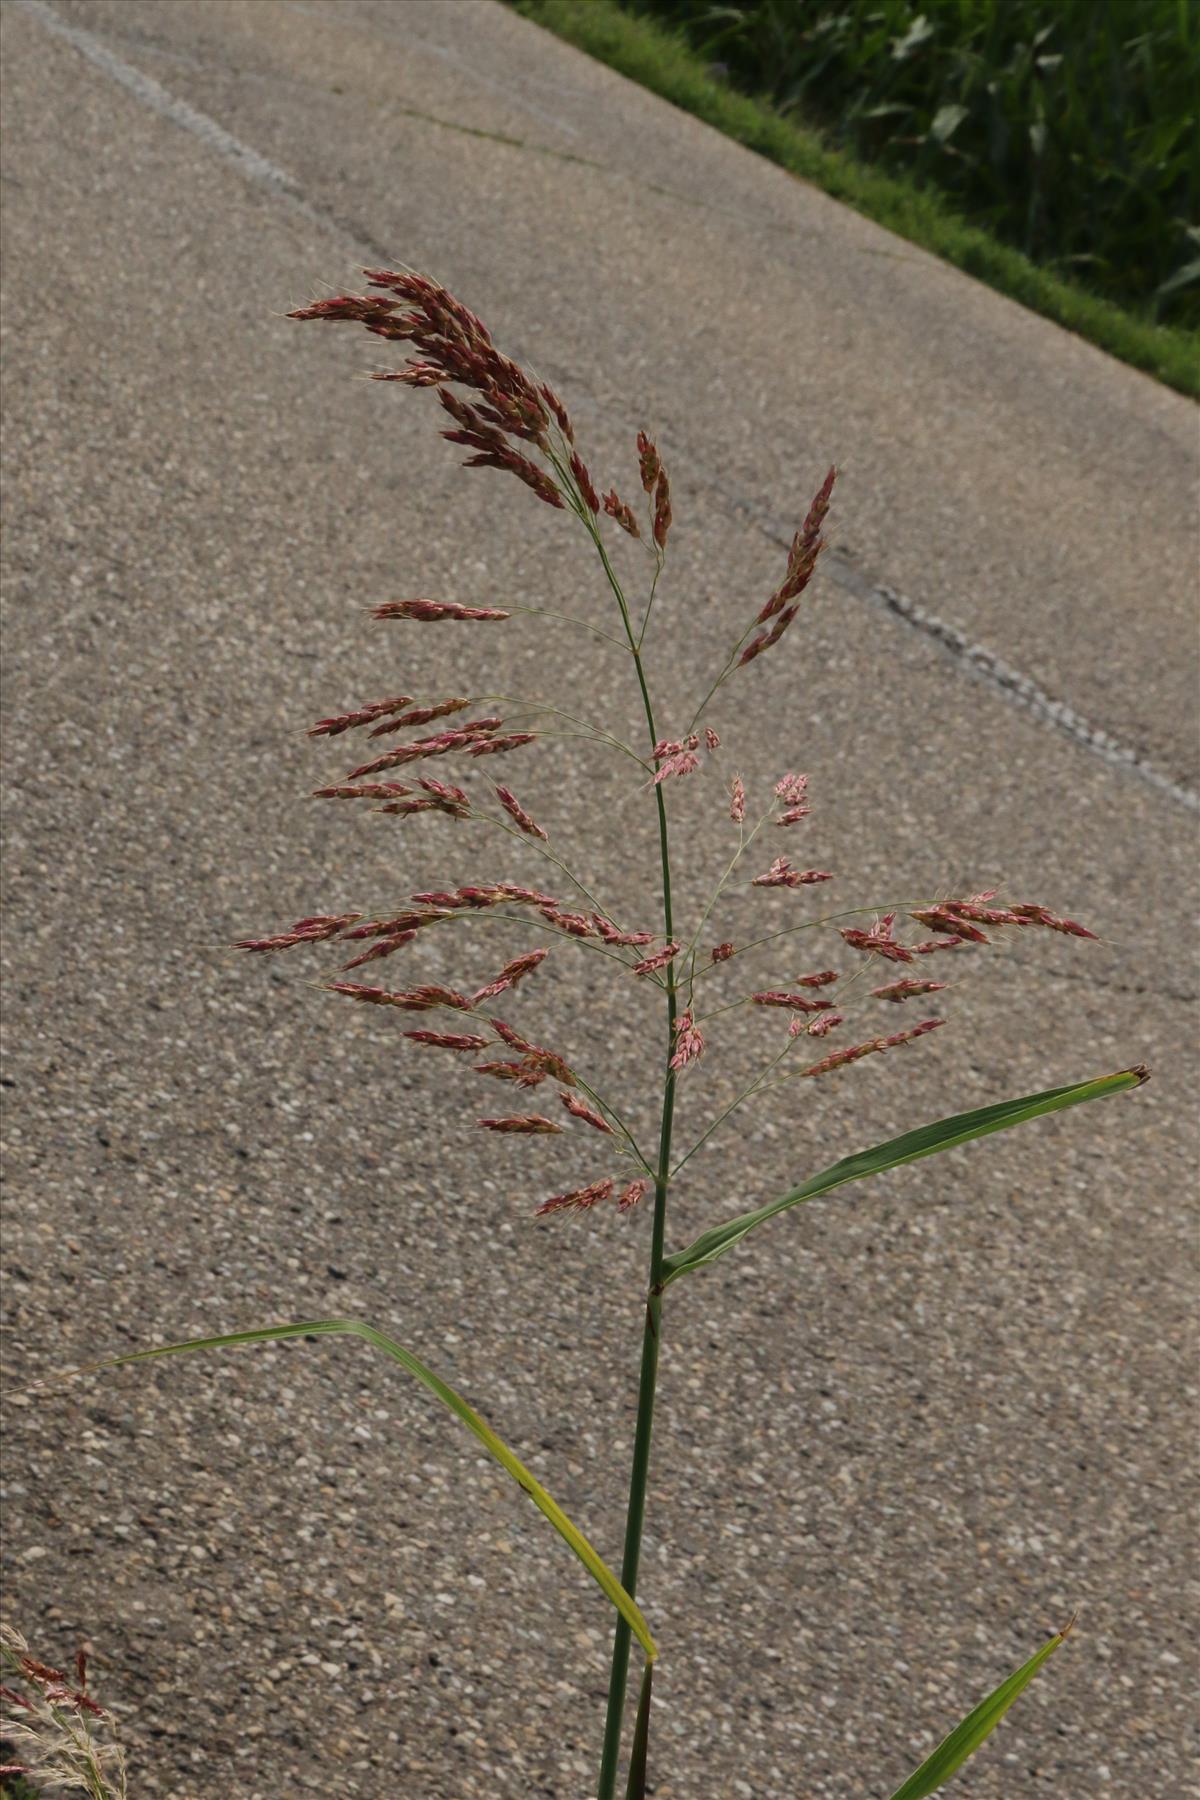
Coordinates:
<point>906,988</point>
<point>509,975</point>
<point>430,612</point>
<point>524,1122</point>
<point>573,923</point>
<point>448,1040</point>
<point>517,813</point>
<point>689,1043</point>
<point>584,482</point>
<point>782,874</point>
<point>818,1027</point>
<point>631,1195</point>
<point>649,465</point>
<point>878,940</point>
<point>794,1002</point>
<point>616,509</point>
<point>371,790</point>
<point>305,931</point>
<point>497,746</point>
<point>662,509</point>
<point>374,709</point>
<point>737,800</point>
<point>581,1110</point>
<point>659,960</point>
<point>420,715</point>
<point>939,918</point>
<point>384,947</point>
<point>608,931</point>
<point>512,1071</point>
<point>578,1200</point>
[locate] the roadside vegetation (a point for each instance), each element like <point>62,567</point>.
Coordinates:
<point>1051,150</point>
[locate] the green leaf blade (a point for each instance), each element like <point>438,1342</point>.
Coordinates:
<point>910,1146</point>
<point>967,1736</point>
<point>597,1568</point>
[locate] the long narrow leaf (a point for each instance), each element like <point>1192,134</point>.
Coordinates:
<point>966,1738</point>
<point>597,1568</point>
<point>926,1141</point>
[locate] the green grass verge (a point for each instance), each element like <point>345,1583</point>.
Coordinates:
<point>658,60</point>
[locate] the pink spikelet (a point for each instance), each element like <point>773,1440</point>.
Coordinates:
<point>782,874</point>
<point>584,482</point>
<point>509,975</point>
<point>581,1110</point>
<point>305,931</point>
<point>512,1071</point>
<point>816,1027</point>
<point>632,1195</point>
<point>578,1199</point>
<point>532,1123</point>
<point>498,746</point>
<point>573,923</point>
<point>721,952</point>
<point>609,932</point>
<point>737,800</point>
<point>914,1031</point>
<point>939,918</point>
<point>432,612</point>
<point>659,960</point>
<point>371,790</point>
<point>385,947</point>
<point>794,1002</point>
<point>448,1040</point>
<point>617,509</point>
<point>517,813</point>
<point>712,742</point>
<point>878,940</point>
<point>662,510</point>
<point>682,764</point>
<point>649,466</point>
<point>906,989</point>
<point>792,789</point>
<point>421,999</point>
<point>807,546</point>
<point>365,715</point>
<point>420,715</point>
<point>689,1042</point>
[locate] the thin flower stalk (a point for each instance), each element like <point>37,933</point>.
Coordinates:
<point>509,421</point>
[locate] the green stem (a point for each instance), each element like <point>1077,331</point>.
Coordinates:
<point>648,1380</point>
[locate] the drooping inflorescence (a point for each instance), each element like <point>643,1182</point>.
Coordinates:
<point>506,418</point>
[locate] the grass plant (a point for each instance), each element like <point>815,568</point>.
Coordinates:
<point>885,962</point>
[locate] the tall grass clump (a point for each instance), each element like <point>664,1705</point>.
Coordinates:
<point>826,1013</point>
<point>1068,128</point>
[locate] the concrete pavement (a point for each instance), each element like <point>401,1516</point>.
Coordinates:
<point>901,1434</point>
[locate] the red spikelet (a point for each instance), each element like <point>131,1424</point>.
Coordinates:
<point>659,960</point>
<point>631,1195</point>
<point>448,1040</point>
<point>522,1122</point>
<point>578,1200</point>
<point>581,1110</point>
<point>584,482</point>
<point>305,931</point>
<point>374,709</point>
<point>617,509</point>
<point>649,465</point>
<point>512,1071</point>
<point>430,612</point>
<point>906,989</point>
<point>517,813</point>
